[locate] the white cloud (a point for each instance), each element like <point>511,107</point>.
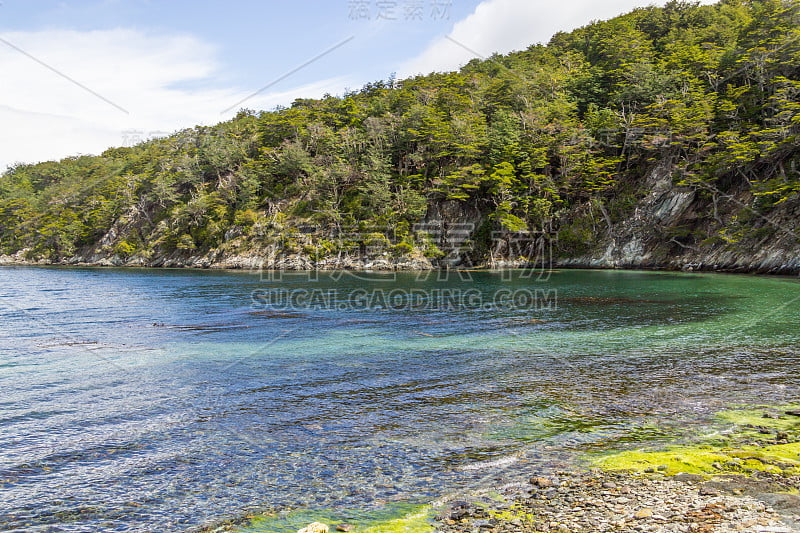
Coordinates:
<point>506,25</point>
<point>163,83</point>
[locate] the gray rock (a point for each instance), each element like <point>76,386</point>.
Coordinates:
<point>789,503</point>
<point>708,491</point>
<point>688,478</point>
<point>735,484</point>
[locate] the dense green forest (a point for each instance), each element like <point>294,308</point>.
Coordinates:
<point>558,136</point>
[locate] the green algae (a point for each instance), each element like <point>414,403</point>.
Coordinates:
<point>708,460</point>
<point>760,424</point>
<point>415,522</point>
<point>749,446</point>
<point>776,419</point>
<point>401,518</point>
<point>515,512</point>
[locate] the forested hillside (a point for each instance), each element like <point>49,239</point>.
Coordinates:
<point>691,112</point>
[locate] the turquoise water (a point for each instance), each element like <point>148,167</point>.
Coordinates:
<point>138,400</point>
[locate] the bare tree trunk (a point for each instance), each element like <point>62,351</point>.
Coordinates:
<point>606,216</point>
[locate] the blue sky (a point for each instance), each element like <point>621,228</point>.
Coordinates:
<point>82,75</point>
<point>257,41</point>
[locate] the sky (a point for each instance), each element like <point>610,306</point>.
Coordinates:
<point>79,76</point>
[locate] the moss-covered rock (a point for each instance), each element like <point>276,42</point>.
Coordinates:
<point>759,440</point>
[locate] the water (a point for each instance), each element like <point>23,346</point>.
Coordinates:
<point>136,400</point>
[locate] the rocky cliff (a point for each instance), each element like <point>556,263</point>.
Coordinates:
<point>676,227</point>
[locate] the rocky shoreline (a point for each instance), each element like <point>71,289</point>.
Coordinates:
<point>747,479</point>
<point>411,264</point>
<point>601,501</point>
<point>589,501</point>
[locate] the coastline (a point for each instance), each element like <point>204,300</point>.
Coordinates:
<point>253,264</point>
<point>604,501</point>
<point>588,500</point>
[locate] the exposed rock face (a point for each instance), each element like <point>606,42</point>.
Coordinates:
<point>677,228</point>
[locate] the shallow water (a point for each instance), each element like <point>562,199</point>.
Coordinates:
<point>138,400</point>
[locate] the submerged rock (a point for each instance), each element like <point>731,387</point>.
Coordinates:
<point>541,482</point>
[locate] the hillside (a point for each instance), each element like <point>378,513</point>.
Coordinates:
<point>666,137</point>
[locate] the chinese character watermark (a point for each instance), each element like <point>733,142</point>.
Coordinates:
<point>399,10</point>
<point>133,137</point>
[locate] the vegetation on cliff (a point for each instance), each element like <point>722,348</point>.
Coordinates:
<point>558,136</point>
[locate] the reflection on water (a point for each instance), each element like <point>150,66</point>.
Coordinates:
<point>158,400</point>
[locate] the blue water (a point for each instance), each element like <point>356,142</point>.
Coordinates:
<point>139,400</point>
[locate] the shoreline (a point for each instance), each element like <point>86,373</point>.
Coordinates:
<point>789,272</point>
<point>592,500</point>
<point>603,501</point>
<point>756,491</point>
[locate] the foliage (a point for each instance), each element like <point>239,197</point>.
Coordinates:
<point>526,139</point>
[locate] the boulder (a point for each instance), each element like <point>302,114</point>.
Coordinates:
<point>315,527</point>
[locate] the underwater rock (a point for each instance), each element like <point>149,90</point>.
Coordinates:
<point>541,482</point>
<point>459,510</point>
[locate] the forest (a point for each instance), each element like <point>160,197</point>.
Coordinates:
<point>558,136</point>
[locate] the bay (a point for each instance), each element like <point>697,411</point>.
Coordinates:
<point>161,400</point>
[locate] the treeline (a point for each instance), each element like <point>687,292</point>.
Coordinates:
<point>710,92</point>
